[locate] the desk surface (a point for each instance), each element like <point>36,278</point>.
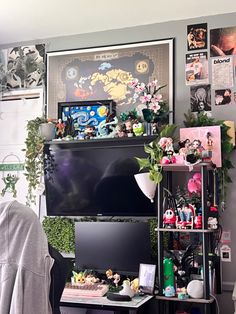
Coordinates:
<point>103,302</point>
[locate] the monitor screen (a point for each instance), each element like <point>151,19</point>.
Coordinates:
<point>120,246</point>
<point>96,178</point>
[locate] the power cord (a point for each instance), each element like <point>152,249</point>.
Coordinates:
<point>217,304</point>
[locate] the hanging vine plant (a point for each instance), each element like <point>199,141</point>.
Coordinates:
<point>36,159</point>
<point>201,119</point>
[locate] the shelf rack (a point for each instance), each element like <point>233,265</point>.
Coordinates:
<point>203,168</point>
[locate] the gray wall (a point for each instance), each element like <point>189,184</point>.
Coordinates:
<point>176,29</point>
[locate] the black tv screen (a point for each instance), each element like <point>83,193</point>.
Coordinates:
<point>120,246</point>
<point>93,178</point>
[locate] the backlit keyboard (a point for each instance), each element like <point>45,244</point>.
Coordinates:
<point>85,290</point>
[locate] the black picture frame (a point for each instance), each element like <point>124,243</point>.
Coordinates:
<point>95,72</point>
<point>85,113</point>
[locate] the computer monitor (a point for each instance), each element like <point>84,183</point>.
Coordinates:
<point>120,246</point>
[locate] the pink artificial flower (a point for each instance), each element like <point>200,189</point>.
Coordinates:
<point>165,160</point>
<point>133,83</point>
<point>152,83</point>
<point>162,142</point>
<point>154,106</point>
<point>157,97</point>
<point>140,88</point>
<point>145,98</point>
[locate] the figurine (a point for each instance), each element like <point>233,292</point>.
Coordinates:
<point>129,127</point>
<point>121,130</point>
<point>186,215</point>
<point>116,279</point>
<point>198,222</point>
<point>138,128</point>
<point>60,128</point>
<point>169,291</point>
<point>89,132</point>
<point>127,290</point>
<point>169,218</point>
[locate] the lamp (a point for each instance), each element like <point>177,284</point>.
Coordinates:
<point>146,185</point>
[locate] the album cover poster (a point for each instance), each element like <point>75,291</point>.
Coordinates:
<point>196,68</point>
<point>200,98</point>
<point>223,41</point>
<point>197,36</point>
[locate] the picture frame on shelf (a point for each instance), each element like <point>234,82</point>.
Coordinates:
<point>147,273</point>
<point>83,114</point>
<point>104,73</point>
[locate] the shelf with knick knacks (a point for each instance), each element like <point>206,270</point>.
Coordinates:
<point>178,214</point>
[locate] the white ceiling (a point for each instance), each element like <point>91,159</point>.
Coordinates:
<point>27,20</point>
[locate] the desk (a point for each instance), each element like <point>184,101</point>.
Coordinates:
<point>103,303</point>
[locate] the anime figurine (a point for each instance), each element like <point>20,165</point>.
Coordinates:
<point>169,291</point>
<point>186,215</point>
<point>169,218</point>
<point>89,132</point>
<point>60,128</point>
<point>121,130</point>
<point>127,290</point>
<point>116,278</point>
<point>212,223</point>
<point>129,127</point>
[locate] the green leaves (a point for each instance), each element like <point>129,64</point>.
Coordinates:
<point>60,232</point>
<point>155,154</point>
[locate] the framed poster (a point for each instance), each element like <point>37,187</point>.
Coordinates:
<point>104,73</point>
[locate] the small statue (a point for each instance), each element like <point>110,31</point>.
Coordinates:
<point>138,128</point>
<point>60,128</point>
<point>169,218</point>
<point>89,132</point>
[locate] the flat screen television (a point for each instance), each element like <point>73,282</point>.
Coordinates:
<point>96,178</point>
<point>120,246</point>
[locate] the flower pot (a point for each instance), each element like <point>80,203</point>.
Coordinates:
<point>146,185</point>
<point>47,131</point>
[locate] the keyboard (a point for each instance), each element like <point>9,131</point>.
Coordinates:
<point>85,290</point>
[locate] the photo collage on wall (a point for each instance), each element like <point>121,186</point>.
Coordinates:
<point>218,90</point>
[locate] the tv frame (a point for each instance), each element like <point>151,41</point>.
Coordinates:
<point>94,104</point>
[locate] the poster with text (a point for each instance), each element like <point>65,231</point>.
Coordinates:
<point>222,72</point>
<point>196,68</point>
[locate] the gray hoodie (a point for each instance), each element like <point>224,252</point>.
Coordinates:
<point>25,263</point>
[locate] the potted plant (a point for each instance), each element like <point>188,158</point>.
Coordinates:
<point>35,154</point>
<point>156,151</point>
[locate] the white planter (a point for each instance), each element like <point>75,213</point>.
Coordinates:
<point>47,131</point>
<point>146,185</point>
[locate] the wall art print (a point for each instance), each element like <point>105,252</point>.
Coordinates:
<point>104,73</point>
<point>22,67</point>
<point>223,41</point>
<point>197,36</point>
<point>205,135</point>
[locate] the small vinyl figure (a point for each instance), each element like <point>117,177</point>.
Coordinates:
<point>60,128</point>
<point>169,218</point>
<point>89,132</point>
<point>138,128</point>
